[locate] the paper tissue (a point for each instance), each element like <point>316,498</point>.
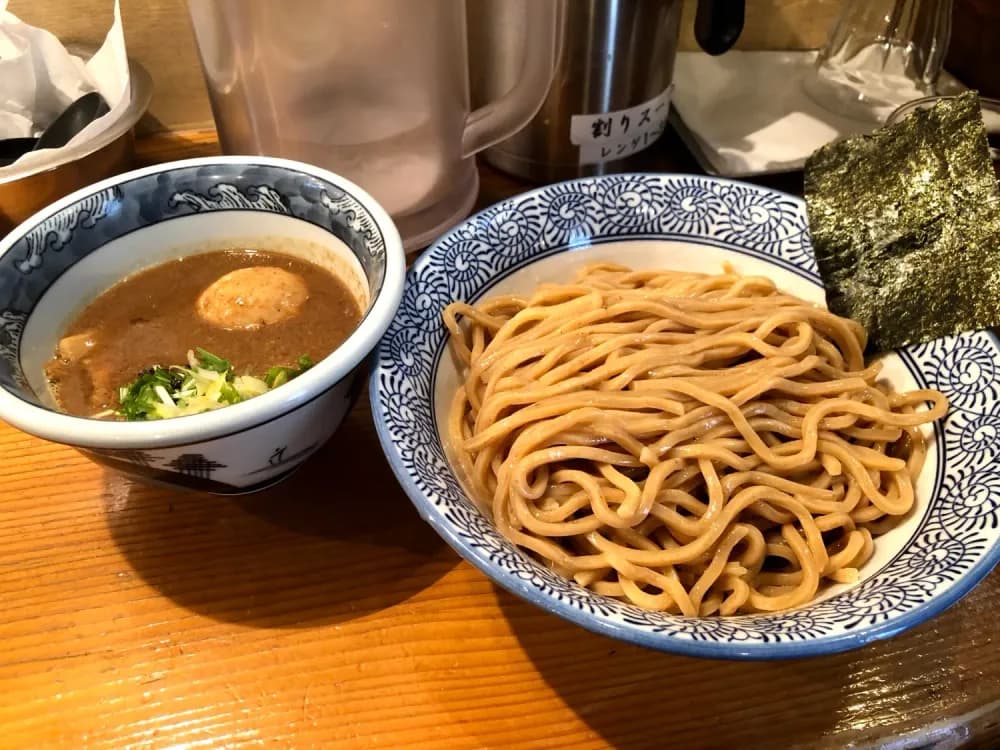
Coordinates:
<point>39,78</point>
<point>747,112</point>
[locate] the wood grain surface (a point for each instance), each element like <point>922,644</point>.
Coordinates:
<point>325,613</point>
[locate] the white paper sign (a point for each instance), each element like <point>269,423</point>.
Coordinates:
<point>610,136</point>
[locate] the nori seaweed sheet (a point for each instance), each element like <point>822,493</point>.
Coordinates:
<point>906,226</point>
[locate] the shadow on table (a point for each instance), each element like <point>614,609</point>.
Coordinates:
<point>914,691</point>
<point>638,698</point>
<point>336,541</point>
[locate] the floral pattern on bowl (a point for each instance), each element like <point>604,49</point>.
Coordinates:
<point>949,548</point>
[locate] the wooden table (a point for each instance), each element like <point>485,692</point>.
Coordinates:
<point>324,613</point>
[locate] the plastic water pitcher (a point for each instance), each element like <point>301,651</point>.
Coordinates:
<point>374,90</point>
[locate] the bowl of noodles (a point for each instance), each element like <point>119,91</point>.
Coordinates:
<point>623,399</point>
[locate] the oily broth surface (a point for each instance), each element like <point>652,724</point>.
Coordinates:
<point>151,318</point>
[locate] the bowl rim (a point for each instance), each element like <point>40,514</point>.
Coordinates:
<point>662,641</point>
<point>94,433</point>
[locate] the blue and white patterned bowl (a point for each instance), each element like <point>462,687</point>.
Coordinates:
<point>54,263</point>
<point>926,564</point>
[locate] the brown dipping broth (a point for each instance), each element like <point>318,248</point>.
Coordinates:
<point>151,319</point>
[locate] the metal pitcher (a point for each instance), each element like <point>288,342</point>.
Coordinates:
<point>610,92</point>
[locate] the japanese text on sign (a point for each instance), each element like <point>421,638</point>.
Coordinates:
<point>614,135</point>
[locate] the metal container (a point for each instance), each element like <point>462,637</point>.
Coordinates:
<point>23,191</point>
<point>610,91</point>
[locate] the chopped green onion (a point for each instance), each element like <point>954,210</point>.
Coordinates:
<point>229,394</point>
<point>208,382</point>
<point>276,376</point>
<point>164,396</point>
<point>248,386</point>
<point>211,362</point>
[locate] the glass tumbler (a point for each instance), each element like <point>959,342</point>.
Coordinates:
<point>879,55</point>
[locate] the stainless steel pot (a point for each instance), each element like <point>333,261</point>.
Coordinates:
<point>610,92</point>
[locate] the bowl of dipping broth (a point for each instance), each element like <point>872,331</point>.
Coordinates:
<point>201,323</point>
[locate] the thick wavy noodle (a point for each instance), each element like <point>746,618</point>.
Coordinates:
<point>699,444</point>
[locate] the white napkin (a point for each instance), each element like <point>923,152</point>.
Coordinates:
<point>39,78</point>
<point>746,113</point>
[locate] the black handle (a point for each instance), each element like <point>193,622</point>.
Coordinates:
<point>718,24</point>
<point>12,149</point>
<point>72,120</point>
